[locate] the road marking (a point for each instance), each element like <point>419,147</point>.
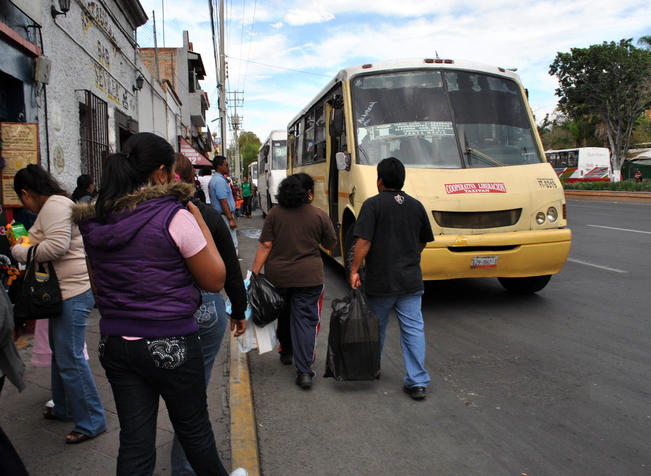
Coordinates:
<point>615,270</point>
<point>244,440</point>
<point>621,229</point>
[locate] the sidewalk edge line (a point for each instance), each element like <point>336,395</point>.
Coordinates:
<point>244,440</point>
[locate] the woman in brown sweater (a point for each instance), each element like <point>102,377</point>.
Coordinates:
<point>289,251</point>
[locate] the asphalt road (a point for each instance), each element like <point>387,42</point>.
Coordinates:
<point>557,383</point>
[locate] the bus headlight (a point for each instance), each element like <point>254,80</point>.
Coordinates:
<point>552,214</point>
<point>540,218</point>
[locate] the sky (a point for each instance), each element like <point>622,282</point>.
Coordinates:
<point>280,53</point>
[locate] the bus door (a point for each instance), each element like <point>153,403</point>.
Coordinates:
<point>336,132</point>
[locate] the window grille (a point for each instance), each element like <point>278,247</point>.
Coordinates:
<point>93,120</point>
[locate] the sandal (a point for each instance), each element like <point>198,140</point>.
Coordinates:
<point>75,437</point>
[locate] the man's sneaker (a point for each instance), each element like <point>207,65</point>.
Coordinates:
<point>417,392</point>
<point>240,472</point>
<point>304,381</point>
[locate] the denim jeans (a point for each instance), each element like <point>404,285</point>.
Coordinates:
<point>74,392</point>
<point>212,320</point>
<point>140,371</point>
<point>412,332</point>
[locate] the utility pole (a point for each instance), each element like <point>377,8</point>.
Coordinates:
<point>222,77</point>
<point>236,122</point>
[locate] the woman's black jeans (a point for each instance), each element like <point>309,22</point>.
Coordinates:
<point>139,372</point>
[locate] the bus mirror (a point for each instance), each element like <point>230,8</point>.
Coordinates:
<point>343,160</point>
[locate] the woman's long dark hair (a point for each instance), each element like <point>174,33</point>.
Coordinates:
<point>35,179</point>
<point>83,183</point>
<point>130,169</point>
<point>293,191</point>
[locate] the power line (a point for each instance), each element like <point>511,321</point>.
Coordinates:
<point>280,67</point>
<point>248,53</point>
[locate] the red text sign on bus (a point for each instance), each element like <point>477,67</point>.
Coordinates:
<point>475,187</point>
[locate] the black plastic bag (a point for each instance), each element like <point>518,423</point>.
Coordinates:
<point>266,303</point>
<point>354,340</point>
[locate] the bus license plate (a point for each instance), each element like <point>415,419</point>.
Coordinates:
<point>483,262</point>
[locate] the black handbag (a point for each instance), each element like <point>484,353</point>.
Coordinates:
<point>39,296</point>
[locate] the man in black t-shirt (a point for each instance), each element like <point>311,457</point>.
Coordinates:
<point>392,230</point>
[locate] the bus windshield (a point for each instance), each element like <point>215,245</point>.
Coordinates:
<point>442,119</point>
<point>279,155</point>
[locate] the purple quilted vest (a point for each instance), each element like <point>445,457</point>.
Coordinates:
<point>143,286</point>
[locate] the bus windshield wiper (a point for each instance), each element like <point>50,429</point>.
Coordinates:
<point>487,159</point>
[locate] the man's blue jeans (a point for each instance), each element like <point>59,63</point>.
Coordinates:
<point>212,319</point>
<point>74,392</point>
<point>412,332</point>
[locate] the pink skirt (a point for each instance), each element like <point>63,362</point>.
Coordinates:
<point>41,352</point>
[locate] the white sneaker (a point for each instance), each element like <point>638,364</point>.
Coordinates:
<point>240,472</point>
<point>49,404</point>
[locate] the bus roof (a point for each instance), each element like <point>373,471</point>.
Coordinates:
<point>406,64</point>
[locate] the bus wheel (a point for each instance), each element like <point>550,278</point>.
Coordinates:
<point>528,285</point>
<point>349,252</point>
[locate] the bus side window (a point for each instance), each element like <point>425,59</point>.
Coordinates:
<point>319,154</point>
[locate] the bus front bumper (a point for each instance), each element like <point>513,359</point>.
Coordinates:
<point>507,255</point>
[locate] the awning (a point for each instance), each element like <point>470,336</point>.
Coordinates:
<point>196,157</point>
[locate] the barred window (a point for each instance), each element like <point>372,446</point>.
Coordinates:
<point>93,130</point>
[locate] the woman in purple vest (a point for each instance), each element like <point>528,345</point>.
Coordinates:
<point>148,255</point>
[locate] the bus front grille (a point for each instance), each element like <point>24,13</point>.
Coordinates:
<point>477,220</point>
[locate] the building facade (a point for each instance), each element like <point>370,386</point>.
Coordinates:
<point>76,62</point>
<point>181,69</point>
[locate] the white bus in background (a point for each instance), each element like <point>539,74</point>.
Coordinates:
<point>272,168</point>
<point>253,173</point>
<point>583,164</point>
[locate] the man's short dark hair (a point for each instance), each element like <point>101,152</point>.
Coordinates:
<point>392,173</point>
<point>218,160</point>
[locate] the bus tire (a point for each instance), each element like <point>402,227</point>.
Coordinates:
<point>527,285</point>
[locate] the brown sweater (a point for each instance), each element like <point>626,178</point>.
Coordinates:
<point>58,241</point>
<point>295,234</point>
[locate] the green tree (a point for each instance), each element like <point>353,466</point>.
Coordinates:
<point>645,42</point>
<point>249,146</point>
<point>611,82</point>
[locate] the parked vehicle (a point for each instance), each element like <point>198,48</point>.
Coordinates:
<point>272,169</point>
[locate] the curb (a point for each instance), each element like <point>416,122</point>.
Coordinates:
<point>639,197</point>
<point>244,438</point>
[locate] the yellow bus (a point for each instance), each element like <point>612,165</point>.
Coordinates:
<point>466,135</point>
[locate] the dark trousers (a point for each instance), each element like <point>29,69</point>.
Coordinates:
<point>298,324</point>
<point>141,371</point>
<point>246,206</point>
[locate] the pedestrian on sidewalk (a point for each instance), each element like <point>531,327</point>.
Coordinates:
<point>221,195</point>
<point>211,316</point>
<point>73,388</point>
<point>246,196</point>
<point>148,256</point>
<point>392,230</point>
<point>289,252</point>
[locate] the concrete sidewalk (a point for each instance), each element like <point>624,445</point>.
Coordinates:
<point>40,442</point>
